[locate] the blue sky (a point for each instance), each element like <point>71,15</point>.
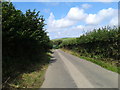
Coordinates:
<point>72,19</point>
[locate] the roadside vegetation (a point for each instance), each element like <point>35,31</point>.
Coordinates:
<point>25,48</point>
<point>100,46</point>
<point>100,62</point>
<point>58,42</point>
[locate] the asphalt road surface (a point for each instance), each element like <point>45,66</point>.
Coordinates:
<point>68,71</point>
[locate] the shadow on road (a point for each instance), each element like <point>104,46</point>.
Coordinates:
<point>53,59</point>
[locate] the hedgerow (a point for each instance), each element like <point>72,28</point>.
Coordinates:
<point>25,40</point>
<point>99,43</point>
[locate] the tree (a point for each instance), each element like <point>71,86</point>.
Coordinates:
<point>24,38</point>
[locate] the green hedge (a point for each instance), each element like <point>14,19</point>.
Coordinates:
<point>24,39</point>
<point>99,43</point>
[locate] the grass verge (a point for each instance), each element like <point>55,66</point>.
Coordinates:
<point>30,80</point>
<point>33,76</point>
<point>101,63</point>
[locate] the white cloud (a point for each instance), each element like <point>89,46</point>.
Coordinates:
<point>68,26</point>
<point>74,31</point>
<point>61,23</point>
<point>81,27</point>
<point>85,28</point>
<point>76,13</point>
<point>86,6</point>
<point>46,10</point>
<point>78,27</point>
<point>114,21</point>
<point>100,16</point>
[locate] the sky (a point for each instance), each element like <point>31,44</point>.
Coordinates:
<point>72,19</point>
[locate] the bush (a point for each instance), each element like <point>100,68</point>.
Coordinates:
<point>24,39</point>
<point>101,43</point>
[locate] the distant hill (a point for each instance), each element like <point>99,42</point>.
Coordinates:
<point>67,38</point>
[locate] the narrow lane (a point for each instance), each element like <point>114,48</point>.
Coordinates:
<point>57,75</point>
<point>68,71</point>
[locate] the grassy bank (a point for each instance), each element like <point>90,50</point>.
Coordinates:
<point>101,63</point>
<point>31,77</point>
<point>30,80</point>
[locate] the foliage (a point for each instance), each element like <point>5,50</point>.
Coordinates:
<point>24,39</point>
<point>57,43</point>
<point>103,64</point>
<point>100,43</point>
<point>69,42</point>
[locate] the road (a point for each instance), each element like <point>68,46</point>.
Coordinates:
<point>68,71</point>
